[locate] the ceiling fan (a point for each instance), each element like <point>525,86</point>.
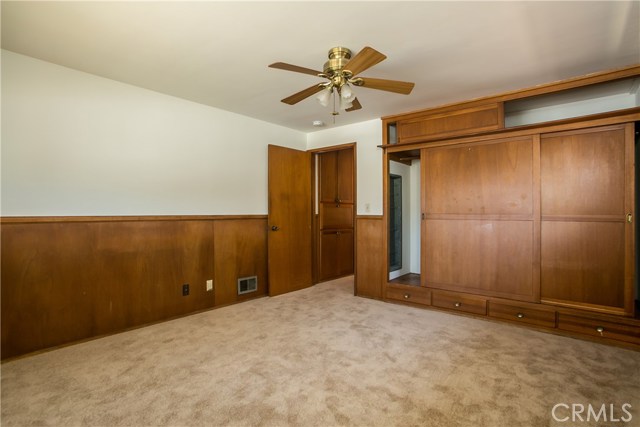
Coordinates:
<point>341,71</point>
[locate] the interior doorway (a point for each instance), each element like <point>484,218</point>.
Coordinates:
<point>334,211</point>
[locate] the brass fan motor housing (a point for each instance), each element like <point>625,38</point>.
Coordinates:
<point>338,58</point>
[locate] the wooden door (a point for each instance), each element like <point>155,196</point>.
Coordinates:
<point>290,238</point>
<point>587,181</point>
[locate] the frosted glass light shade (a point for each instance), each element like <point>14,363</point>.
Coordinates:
<point>324,96</point>
<point>346,92</point>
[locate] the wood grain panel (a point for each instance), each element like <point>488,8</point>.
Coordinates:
<point>336,216</point>
<point>370,257</point>
<point>540,317</point>
<point>413,294</point>
<point>583,172</point>
<point>290,217</point>
<point>459,302</point>
<point>336,254</point>
<point>485,257</point>
<point>328,173</point>
<point>63,282</point>
<point>599,328</point>
<point>483,179</point>
<point>346,176</point>
<point>583,262</point>
<point>69,280</point>
<point>240,248</point>
<point>458,122</point>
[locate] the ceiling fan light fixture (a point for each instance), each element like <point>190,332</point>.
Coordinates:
<point>346,93</point>
<point>325,96</point>
<point>345,104</point>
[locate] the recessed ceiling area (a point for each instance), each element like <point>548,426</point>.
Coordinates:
<point>217,53</point>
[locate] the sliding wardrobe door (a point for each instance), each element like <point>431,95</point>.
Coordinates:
<point>479,219</point>
<point>587,196</point>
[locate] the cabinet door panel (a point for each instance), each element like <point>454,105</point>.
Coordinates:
<point>345,253</point>
<point>336,254</point>
<point>336,216</point>
<point>583,262</point>
<point>328,166</point>
<point>494,178</point>
<point>587,247</point>
<point>583,173</point>
<point>486,257</point>
<point>345,175</point>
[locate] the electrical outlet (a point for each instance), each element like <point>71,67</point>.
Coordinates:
<point>185,289</point>
<point>210,285</point>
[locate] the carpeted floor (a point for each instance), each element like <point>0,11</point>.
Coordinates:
<point>321,357</point>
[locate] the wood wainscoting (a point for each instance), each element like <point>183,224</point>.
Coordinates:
<point>67,279</point>
<point>370,256</point>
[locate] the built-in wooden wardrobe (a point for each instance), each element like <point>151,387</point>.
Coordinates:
<point>336,203</point>
<point>531,223</point>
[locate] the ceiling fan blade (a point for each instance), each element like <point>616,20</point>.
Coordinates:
<point>297,97</point>
<point>404,88</point>
<point>295,68</point>
<point>355,105</point>
<point>366,58</point>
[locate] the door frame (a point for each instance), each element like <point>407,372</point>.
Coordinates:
<point>315,206</point>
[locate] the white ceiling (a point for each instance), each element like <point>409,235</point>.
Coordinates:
<point>216,53</point>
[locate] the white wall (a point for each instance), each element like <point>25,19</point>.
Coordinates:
<point>415,221</point>
<point>77,144</point>
<point>367,136</point>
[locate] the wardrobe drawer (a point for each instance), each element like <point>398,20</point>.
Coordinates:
<point>414,294</point>
<point>599,328</point>
<point>532,316</point>
<point>459,302</point>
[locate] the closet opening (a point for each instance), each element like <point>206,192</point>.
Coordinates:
<point>404,218</point>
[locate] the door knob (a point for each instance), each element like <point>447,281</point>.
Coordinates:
<point>275,228</point>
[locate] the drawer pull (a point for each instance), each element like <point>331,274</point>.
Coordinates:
<point>458,304</point>
<point>520,315</point>
<point>407,296</point>
<point>600,330</point>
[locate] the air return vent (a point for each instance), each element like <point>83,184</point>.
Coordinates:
<point>247,284</point>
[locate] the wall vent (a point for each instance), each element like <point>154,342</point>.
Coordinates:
<point>247,284</point>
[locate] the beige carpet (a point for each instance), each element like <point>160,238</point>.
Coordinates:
<point>320,357</point>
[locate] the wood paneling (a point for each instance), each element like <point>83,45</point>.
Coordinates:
<point>485,257</point>
<point>494,178</point>
<point>459,122</point>
<point>370,257</point>
<point>583,262</point>
<point>240,248</point>
<point>64,281</point>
